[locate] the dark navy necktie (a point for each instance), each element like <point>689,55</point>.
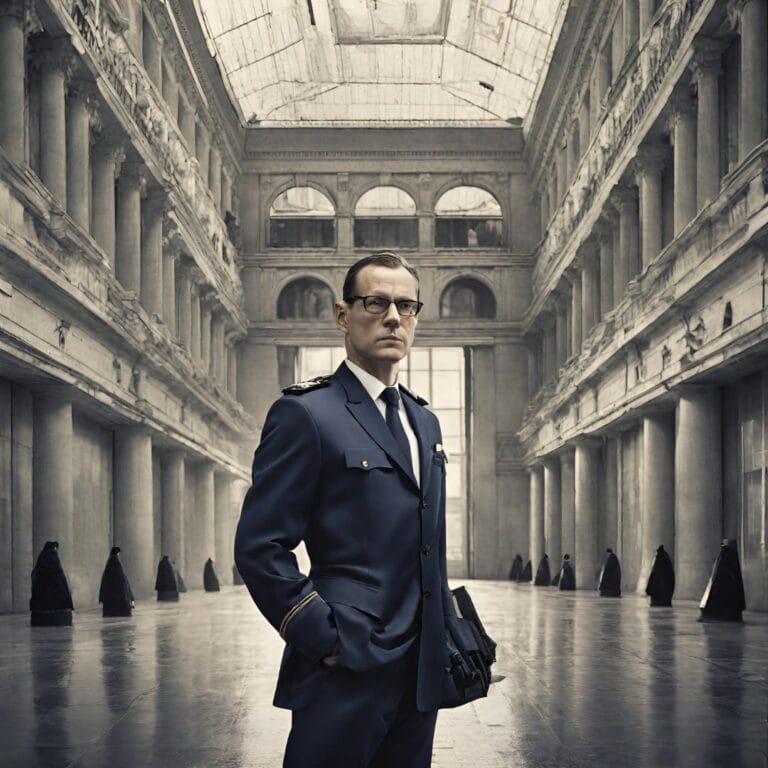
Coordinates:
<point>391,397</point>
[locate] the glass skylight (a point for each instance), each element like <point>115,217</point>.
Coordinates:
<point>343,62</point>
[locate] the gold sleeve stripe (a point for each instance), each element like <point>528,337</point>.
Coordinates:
<point>303,603</point>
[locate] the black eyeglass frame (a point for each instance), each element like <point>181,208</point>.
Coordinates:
<point>419,304</point>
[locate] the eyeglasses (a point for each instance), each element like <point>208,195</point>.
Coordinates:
<point>378,305</point>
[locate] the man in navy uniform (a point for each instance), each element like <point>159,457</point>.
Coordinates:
<point>353,465</point>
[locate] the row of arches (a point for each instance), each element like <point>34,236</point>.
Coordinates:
<point>308,298</point>
<point>385,217</point>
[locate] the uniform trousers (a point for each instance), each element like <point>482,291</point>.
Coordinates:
<point>363,720</point>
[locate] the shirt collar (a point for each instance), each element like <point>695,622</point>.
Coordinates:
<point>373,386</point>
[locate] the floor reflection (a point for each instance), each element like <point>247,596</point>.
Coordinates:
<point>588,681</point>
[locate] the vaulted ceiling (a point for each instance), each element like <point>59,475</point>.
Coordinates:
<point>381,62</point>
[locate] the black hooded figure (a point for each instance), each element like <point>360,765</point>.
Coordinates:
<point>179,579</point>
<point>567,577</point>
<point>661,582</point>
<point>516,569</point>
<point>51,601</point>
<point>237,579</point>
<point>115,592</point>
<point>543,576</point>
<point>526,574</point>
<point>723,598</point>
<point>166,585</point>
<point>610,576</point>
<point>210,580</point>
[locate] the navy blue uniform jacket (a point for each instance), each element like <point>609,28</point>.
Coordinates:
<point>328,471</point>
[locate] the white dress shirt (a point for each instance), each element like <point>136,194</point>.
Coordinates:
<point>374,388</point>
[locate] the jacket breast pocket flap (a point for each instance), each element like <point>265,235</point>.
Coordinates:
<point>366,459</point>
<point>339,589</point>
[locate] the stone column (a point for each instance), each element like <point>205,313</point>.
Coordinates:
<point>706,69</point>
<point>586,467</point>
<point>550,350</point>
<point>224,526</point>
<point>226,192</point>
<point>174,504</point>
<point>55,68</point>
<point>78,155</point>
<point>604,233</point>
<point>184,300</point>
<point>187,126</point>
<point>151,290</point>
<point>257,378</point>
<point>232,368</point>
<point>650,161</point>
<point>562,176</point>
<point>12,78</point>
<point>552,513</point>
<point>204,508</point>
<point>657,525</point>
<point>590,290</point>
<point>170,87</point>
<point>206,300</point>
<point>631,23</point>
<point>698,488</point>
<point>536,550</point>
<point>572,151</point>
<point>603,72</point>
<point>194,325</point>
<point>753,119</point>
<point>217,346</point>
<point>134,530</point>
<point>52,489</point>
<point>626,261</point>
<point>646,10</point>
<point>561,332</point>
<point>215,177</point>
<point>544,210</point>
<point>567,503</point>
<point>107,157</point>
<point>203,150</point>
<point>128,258</point>
<point>583,120</point>
<point>683,130</point>
<point>553,199</point>
<point>576,312</point>
<point>152,54</point>
<point>170,259</point>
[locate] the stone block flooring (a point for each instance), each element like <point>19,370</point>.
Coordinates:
<point>589,681</point>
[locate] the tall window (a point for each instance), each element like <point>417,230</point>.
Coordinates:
<point>468,217</point>
<point>305,299</point>
<point>302,217</point>
<point>467,298</point>
<point>385,217</point>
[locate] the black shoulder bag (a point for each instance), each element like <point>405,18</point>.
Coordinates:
<point>471,652</point>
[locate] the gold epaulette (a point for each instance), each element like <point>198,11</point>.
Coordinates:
<point>307,386</point>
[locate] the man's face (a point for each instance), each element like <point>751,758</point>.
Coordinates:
<point>375,339</point>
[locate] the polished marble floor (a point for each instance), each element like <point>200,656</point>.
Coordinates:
<point>588,682</point>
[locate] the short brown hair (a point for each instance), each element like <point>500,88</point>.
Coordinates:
<point>381,259</point>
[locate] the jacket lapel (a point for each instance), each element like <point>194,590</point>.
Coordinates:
<point>419,423</point>
<point>360,405</point>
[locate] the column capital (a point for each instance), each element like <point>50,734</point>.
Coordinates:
<point>707,56</point>
<point>650,158</point>
<point>603,227</point>
<point>622,196</point>
<point>135,170</point>
<point>681,105</point>
<point>14,8</point>
<point>113,148</point>
<point>734,10</point>
<point>158,200</point>
<point>55,53</point>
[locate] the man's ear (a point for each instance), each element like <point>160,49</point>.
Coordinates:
<point>341,315</point>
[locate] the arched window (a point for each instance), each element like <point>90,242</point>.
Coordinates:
<point>467,298</point>
<point>302,217</point>
<point>468,217</point>
<point>305,299</point>
<point>385,217</point>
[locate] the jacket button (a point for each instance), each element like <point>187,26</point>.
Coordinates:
<point>422,504</point>
<point>364,463</point>
<point>426,593</point>
<point>425,549</point>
